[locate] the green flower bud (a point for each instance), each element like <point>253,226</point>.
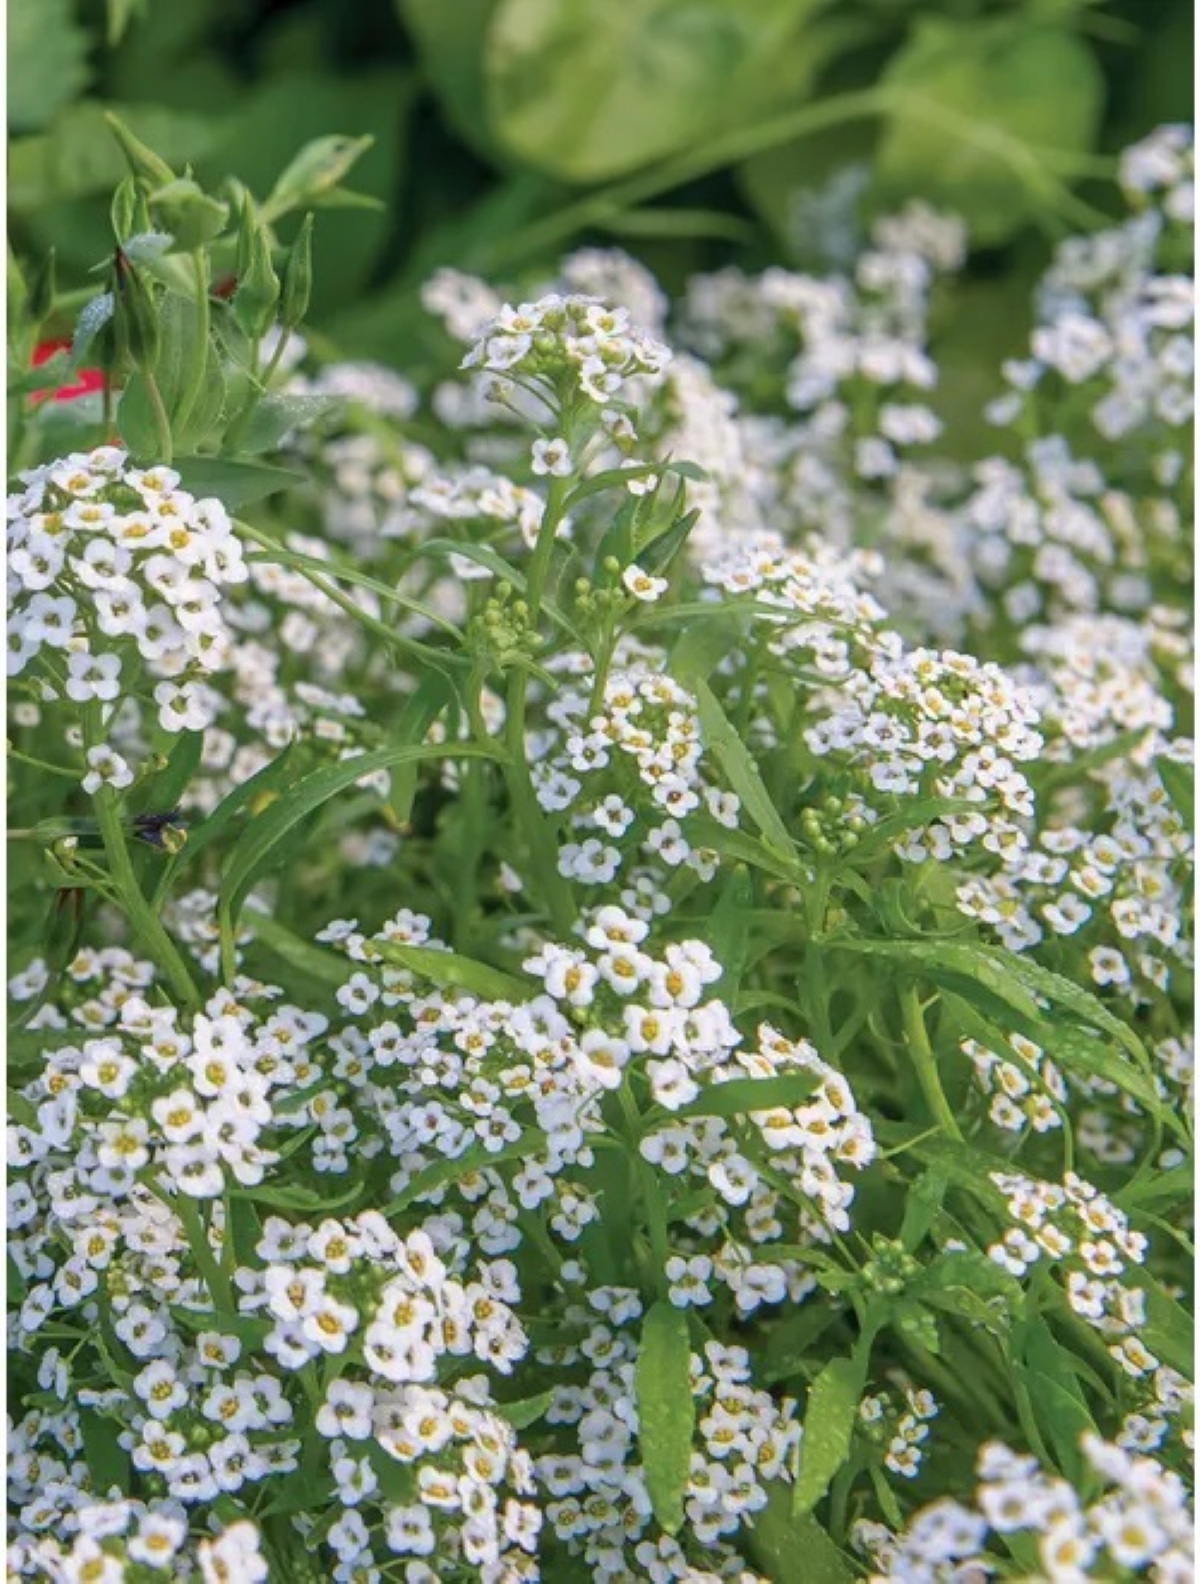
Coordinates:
<point>297,278</point>
<point>257,295</point>
<point>143,161</point>
<point>123,211</point>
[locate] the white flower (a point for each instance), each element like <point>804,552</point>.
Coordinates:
<point>106,768</point>
<point>552,457</point>
<point>642,586</point>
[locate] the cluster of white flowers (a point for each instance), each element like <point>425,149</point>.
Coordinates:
<point>1074,1226</point>
<point>901,1431</point>
<point>113,571</point>
<point>1112,321</point>
<point>567,346</point>
<point>598,1499</point>
<point>1139,1521</point>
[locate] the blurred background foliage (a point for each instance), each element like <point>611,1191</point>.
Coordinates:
<point>694,133</point>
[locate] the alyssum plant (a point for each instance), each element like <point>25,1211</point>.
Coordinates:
<point>603,946</point>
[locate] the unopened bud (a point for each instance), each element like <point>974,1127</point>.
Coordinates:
<point>297,278</point>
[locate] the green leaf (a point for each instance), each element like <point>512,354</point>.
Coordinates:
<point>978,973</point>
<point>829,1420</point>
<point>161,794</point>
<point>218,822</point>
<point>666,1411</point>
<point>742,1096</point>
<point>1057,1400</point>
<point>314,962</point>
<point>449,969</point>
<point>977,106</point>
<point>589,91</point>
<point>1180,782</point>
<point>253,853</point>
<point>135,419</point>
<point>476,1159</point>
<point>106,1461</point>
<point>795,1547</point>
<point>47,61</point>
<point>526,1412</point>
<point>234,483</point>
<point>433,694</point>
<point>296,110</point>
<point>297,1197</point>
<point>1170,1331</point>
<point>739,766</point>
<point>277,414</point>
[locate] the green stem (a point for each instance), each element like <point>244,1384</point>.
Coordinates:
<point>542,845</point>
<point>133,901</point>
<point>162,423</point>
<point>258,389</point>
<point>925,1062</point>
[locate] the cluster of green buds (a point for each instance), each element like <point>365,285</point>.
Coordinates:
<point>502,634</point>
<point>829,830</point>
<point>599,603</point>
<point>890,1269</point>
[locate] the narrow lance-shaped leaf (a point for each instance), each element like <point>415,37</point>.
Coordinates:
<point>666,1411</point>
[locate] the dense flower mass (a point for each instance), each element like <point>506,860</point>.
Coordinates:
<point>109,565</point>
<point>601,984</point>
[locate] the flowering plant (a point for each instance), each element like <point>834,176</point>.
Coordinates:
<point>603,940</point>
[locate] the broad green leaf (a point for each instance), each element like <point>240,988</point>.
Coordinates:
<point>1056,1397</point>
<point>729,931</point>
<point>589,91</point>
<point>234,483</point>
<point>788,1546</point>
<point>253,853</point>
<point>135,420</point>
<point>977,104</point>
<point>449,969</point>
<point>107,1462</point>
<point>47,61</point>
<point>976,972</point>
<point>829,1419</point>
<point>277,414</point>
<point>666,1410</point>
<point>790,1341</point>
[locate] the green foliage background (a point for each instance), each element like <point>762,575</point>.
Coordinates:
<point>684,130</point>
